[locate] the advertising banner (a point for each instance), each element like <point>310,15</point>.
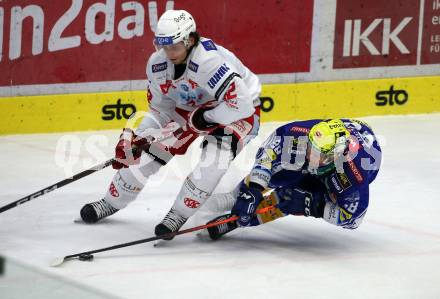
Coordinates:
<point>431,33</point>
<point>280,102</point>
<point>376,33</point>
<point>386,33</point>
<point>75,41</point>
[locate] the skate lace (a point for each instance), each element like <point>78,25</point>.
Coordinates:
<point>103,209</point>
<point>173,220</point>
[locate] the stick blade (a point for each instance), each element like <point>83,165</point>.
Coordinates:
<point>57,261</point>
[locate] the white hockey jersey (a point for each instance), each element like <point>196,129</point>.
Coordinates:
<point>213,73</point>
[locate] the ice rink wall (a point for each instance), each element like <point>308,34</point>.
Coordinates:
<point>71,65</point>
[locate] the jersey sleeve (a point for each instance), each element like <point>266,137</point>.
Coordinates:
<point>269,155</point>
<point>261,172</point>
<point>161,107</point>
<point>224,83</point>
<point>236,104</point>
<point>349,209</point>
<point>350,193</point>
<point>160,110</point>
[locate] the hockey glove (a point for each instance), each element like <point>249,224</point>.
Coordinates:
<point>247,202</point>
<point>128,150</point>
<point>300,202</point>
<point>198,123</point>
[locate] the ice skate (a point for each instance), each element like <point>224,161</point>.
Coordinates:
<point>216,232</point>
<point>95,211</point>
<point>171,223</point>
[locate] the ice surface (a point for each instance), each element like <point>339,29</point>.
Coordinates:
<point>395,253</point>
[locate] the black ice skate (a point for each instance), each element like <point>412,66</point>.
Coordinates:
<point>216,232</point>
<point>95,211</point>
<point>171,223</point>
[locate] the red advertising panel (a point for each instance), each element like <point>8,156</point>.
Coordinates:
<point>71,41</point>
<point>376,33</point>
<point>431,33</point>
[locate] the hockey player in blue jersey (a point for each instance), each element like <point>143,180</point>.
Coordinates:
<point>317,168</point>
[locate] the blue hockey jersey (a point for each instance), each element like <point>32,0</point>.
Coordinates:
<point>281,162</point>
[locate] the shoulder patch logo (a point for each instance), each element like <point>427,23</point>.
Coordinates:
<point>193,66</point>
<point>159,67</point>
<point>209,45</point>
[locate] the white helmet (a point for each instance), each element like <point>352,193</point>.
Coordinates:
<point>173,27</point>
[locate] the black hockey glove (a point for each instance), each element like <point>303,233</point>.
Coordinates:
<point>198,123</point>
<point>301,202</point>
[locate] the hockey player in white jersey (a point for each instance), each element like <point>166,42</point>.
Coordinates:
<point>208,91</point>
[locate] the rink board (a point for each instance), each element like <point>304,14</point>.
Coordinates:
<point>281,102</point>
<point>354,98</point>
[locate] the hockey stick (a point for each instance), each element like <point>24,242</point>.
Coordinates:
<point>87,255</point>
<point>80,175</point>
<point>57,185</point>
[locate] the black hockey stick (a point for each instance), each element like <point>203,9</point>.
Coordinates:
<point>88,255</point>
<point>57,185</point>
<point>79,175</point>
